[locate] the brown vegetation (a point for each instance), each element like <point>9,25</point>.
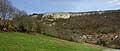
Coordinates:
<point>101,29</point>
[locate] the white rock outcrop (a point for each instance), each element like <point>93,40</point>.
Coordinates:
<point>58,15</point>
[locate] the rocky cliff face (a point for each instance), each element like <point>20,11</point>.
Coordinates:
<point>58,15</point>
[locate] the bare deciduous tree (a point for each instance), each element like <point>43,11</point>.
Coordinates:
<point>7,10</point>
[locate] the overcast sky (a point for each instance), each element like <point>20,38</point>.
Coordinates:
<point>44,6</point>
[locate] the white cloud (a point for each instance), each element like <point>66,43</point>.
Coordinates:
<point>114,2</point>
<point>118,3</point>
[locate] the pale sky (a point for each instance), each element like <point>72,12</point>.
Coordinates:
<point>45,6</point>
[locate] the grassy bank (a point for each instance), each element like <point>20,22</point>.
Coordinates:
<point>14,41</point>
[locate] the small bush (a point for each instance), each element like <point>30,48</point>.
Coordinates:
<point>101,42</point>
<point>117,40</point>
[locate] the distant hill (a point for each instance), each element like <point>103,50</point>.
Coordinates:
<point>94,27</point>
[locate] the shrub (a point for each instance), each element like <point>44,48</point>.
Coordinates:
<point>101,42</point>
<point>117,40</point>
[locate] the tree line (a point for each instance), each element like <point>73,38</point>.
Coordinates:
<point>7,10</point>
<point>8,13</point>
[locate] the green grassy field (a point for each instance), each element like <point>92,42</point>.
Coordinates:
<point>14,41</point>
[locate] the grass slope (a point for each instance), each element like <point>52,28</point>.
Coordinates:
<point>14,41</point>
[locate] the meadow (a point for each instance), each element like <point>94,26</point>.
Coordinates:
<point>14,41</point>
